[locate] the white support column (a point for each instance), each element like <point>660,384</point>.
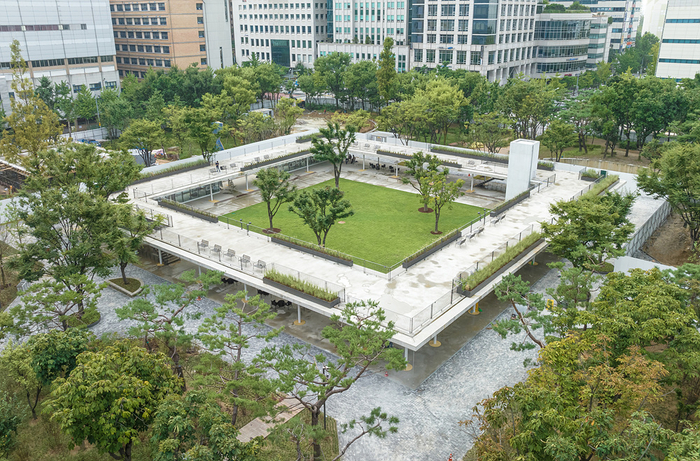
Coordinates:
<point>434,342</point>
<point>160,258</point>
<point>307,164</point>
<point>299,321</point>
<point>409,367</point>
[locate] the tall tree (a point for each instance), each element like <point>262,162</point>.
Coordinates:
<point>528,104</point>
<point>386,73</point>
<point>361,339</point>
<point>442,192</point>
<point>361,83</point>
<point>85,104</point>
<point>16,367</point>
<point>115,111</point>
<point>419,167</point>
<point>488,132</point>
<point>287,113</point>
<point>330,70</point>
<point>112,397</point>
<point>131,227</point>
<point>163,315</point>
<point>557,137</point>
<point>673,177</point>
<point>33,126</point>
<point>275,190</point>
<point>227,333</point>
<point>45,91</point>
<point>200,128</point>
<point>320,209</point>
<point>145,136</point>
<point>65,104</point>
<point>590,230</point>
<point>334,146</point>
<point>55,354</point>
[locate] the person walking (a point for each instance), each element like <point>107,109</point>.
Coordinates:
<point>217,166</point>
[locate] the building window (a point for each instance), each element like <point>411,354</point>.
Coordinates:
<point>429,55</point>
<point>446,38</point>
<point>200,20</point>
<point>161,7</point>
<point>201,34</point>
<point>198,6</point>
<point>203,61</point>
<point>106,58</point>
<point>202,48</point>
<point>83,26</point>
<point>163,21</point>
<point>95,86</point>
<point>461,57</point>
<point>432,10</point>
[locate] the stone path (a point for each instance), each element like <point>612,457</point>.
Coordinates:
<point>260,428</point>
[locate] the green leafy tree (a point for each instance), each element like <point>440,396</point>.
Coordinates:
<point>11,415</point>
<point>162,316</point>
<point>577,112</point>
<point>287,113</point>
<point>330,72</point>
<point>85,104</point>
<point>55,354</point>
<point>488,132</point>
<point>64,205</point>
<point>309,84</point>
<point>590,230</point>
<point>115,111</point>
<point>16,366</point>
<point>45,91</point>
<point>65,104</point>
<point>444,101</point>
<point>175,121</point>
<point>145,136</point>
<point>200,128</point>
<point>386,73</point>
<point>528,104</point>
<point>442,192</point>
<point>320,209</point>
<point>419,167</point>
<point>227,333</point>
<point>557,137</point>
<point>275,190</point>
<point>361,84</point>
<point>362,340</point>
<point>673,177</point>
<point>63,304</point>
<point>131,229</point>
<point>112,397</point>
<point>333,147</point>
<point>193,427</point>
<point>33,126</point>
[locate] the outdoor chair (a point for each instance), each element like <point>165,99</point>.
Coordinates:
<point>461,242</point>
<point>233,166</point>
<point>260,265</point>
<point>479,231</point>
<point>216,249</point>
<point>245,259</point>
<point>231,254</point>
<point>223,167</point>
<point>266,157</point>
<point>203,244</point>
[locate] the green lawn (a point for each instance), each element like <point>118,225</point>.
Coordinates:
<point>386,228</point>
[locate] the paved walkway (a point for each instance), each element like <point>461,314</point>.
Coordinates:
<point>260,428</point>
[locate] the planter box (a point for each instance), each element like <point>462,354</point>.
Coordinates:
<point>609,187</point>
<point>485,158</point>
<point>508,205</point>
<point>275,160</point>
<point>188,212</point>
<point>589,179</point>
<point>409,157</point>
<point>311,251</point>
<point>301,294</point>
<point>408,263</point>
<point>303,139</point>
<point>126,292</point>
<point>499,272</point>
<point>544,167</point>
<point>170,173</point>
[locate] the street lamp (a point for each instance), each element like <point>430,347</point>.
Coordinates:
<point>325,369</point>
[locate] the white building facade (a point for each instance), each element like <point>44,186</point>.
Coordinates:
<point>653,16</point>
<point>284,33</point>
<point>64,40</point>
<point>679,55</point>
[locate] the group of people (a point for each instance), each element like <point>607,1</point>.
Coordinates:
<point>350,159</point>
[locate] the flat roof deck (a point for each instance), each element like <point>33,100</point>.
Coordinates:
<point>419,299</point>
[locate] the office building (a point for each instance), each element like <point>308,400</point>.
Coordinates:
<point>679,54</point>
<point>653,15</point>
<point>285,33</point>
<point>170,33</point>
<point>625,16</point>
<point>64,40</point>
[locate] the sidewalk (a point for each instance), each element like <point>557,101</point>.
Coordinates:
<point>260,428</point>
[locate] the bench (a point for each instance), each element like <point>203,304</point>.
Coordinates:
<point>216,249</point>
<point>245,259</point>
<point>498,219</point>
<point>461,241</point>
<point>231,254</point>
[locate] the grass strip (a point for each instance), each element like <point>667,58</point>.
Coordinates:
<point>300,285</point>
<point>508,202</point>
<point>474,279</point>
<point>601,185</point>
<point>179,167</point>
<point>188,208</point>
<point>312,246</point>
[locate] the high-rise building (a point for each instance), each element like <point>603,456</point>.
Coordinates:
<point>64,40</point>
<point>283,33</point>
<point>679,55</point>
<point>625,16</point>
<point>653,15</point>
<point>166,33</point>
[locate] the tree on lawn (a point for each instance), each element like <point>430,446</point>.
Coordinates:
<point>145,136</point>
<point>419,167</point>
<point>200,128</point>
<point>32,125</point>
<point>441,192</point>
<point>275,190</point>
<point>162,315</point>
<point>65,104</point>
<point>334,148</point>
<point>386,73</point>
<point>362,340</point>
<point>590,230</point>
<point>227,333</point>
<point>673,177</point>
<point>320,209</point>
<point>111,397</point>
<point>557,137</point>
<point>193,427</point>
<point>131,227</point>
<point>287,113</point>
<point>488,132</point>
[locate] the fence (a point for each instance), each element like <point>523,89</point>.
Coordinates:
<point>602,164</point>
<point>239,262</point>
<point>648,228</point>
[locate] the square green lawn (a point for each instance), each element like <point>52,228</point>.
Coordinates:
<point>386,227</point>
